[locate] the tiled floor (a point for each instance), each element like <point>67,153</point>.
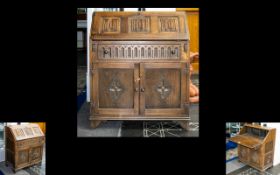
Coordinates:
<point>275,170</point>
<point>136,128</point>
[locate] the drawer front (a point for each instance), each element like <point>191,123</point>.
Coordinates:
<point>139,50</point>
<point>30,142</point>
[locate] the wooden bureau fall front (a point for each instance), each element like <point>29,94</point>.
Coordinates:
<point>24,145</point>
<point>256,146</point>
<point>139,64</point>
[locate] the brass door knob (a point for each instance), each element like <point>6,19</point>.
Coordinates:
<point>142,89</point>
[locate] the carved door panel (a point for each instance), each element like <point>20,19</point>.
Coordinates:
<point>23,157</point>
<point>255,157</point>
<point>115,91</point>
<point>163,89</point>
<point>35,154</point>
<point>243,153</point>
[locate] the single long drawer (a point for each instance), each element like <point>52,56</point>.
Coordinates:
<point>138,50</point>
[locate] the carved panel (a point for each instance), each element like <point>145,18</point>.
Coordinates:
<point>139,24</point>
<point>268,159</point>
<point>28,131</point>
<point>36,130</point>
<point>110,24</point>
<point>115,88</point>
<point>168,24</point>
<point>23,157</point>
<point>35,153</point>
<point>162,88</point>
<point>19,132</point>
<point>243,152</point>
<point>269,147</point>
<point>139,51</point>
<point>255,156</point>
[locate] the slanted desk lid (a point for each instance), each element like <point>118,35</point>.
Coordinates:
<point>246,140</point>
<point>27,131</point>
<point>139,26</point>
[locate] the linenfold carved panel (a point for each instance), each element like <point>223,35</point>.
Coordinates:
<point>139,24</point>
<point>168,24</point>
<point>138,51</point>
<point>110,24</point>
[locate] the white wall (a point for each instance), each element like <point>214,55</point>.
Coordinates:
<point>276,160</point>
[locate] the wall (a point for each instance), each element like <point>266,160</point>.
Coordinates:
<point>277,142</point>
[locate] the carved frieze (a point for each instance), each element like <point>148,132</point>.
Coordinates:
<point>110,24</point>
<point>139,51</point>
<point>139,24</point>
<point>168,24</point>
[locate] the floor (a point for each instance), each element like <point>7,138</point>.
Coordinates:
<point>136,128</point>
<point>247,170</point>
<point>39,169</point>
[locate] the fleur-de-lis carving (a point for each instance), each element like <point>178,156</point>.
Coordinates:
<point>115,89</point>
<point>163,89</point>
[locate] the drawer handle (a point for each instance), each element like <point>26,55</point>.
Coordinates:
<point>106,51</point>
<point>142,89</point>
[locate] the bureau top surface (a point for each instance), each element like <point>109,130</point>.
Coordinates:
<point>21,132</point>
<point>139,26</point>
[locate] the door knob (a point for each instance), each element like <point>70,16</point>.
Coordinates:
<point>142,89</point>
<point>137,79</point>
<point>136,89</point>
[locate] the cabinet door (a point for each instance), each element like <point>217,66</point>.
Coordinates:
<point>243,153</point>
<point>35,154</point>
<point>164,89</point>
<point>22,158</point>
<point>115,91</point>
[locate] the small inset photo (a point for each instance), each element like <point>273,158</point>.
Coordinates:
<point>22,148</point>
<point>252,148</point>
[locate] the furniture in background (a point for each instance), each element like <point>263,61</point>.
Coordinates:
<point>24,145</point>
<point>139,65</point>
<point>256,146</point>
